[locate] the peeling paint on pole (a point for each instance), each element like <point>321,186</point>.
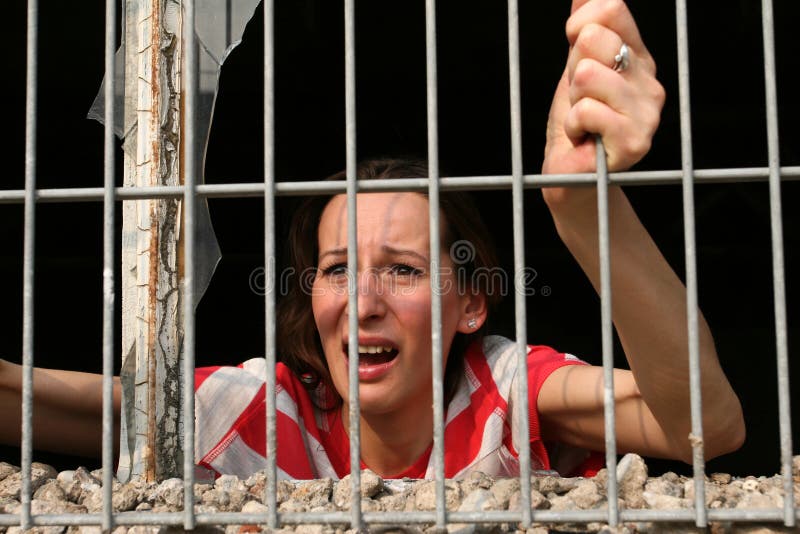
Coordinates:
<point>152,316</point>
<point>148,117</point>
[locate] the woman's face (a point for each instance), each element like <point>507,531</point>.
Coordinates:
<point>394,300</point>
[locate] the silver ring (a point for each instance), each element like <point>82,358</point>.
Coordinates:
<point>623,59</point>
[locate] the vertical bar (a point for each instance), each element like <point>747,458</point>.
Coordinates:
<point>189,201</point>
<point>108,265</point>
<point>608,335</point>
<point>352,261</point>
<point>269,259</point>
<point>698,456</point>
<point>523,422</point>
<point>436,300</point>
<point>28,262</point>
<point>778,275</point>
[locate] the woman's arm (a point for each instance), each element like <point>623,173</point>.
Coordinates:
<point>67,409</point>
<point>649,300</point>
<point>649,312</point>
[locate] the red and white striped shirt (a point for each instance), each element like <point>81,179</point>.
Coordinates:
<point>313,443</point>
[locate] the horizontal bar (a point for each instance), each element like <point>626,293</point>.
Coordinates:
<point>295,518</point>
<point>461,183</point>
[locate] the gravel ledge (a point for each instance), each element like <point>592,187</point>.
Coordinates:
<point>80,491</point>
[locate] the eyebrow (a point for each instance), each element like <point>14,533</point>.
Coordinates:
<point>385,248</point>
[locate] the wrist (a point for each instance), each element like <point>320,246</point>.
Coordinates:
<point>572,209</point>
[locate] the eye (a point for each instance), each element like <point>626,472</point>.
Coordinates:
<point>337,269</point>
<point>401,269</point>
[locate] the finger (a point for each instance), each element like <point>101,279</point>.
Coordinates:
<point>636,94</point>
<point>595,80</point>
<point>640,98</point>
<point>594,42</point>
<point>614,15</point>
<point>588,116</point>
<point>623,139</point>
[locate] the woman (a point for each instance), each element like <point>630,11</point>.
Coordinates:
<point>619,100</point>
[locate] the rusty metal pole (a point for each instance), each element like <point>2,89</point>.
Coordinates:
<point>152,316</point>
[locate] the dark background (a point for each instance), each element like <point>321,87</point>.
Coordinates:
<point>729,130</point>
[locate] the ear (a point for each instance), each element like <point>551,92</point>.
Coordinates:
<point>473,313</point>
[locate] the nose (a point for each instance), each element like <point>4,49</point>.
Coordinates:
<point>371,302</point>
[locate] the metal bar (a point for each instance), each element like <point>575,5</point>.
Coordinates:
<point>109,205</point>
<point>270,490</point>
<point>297,518</point>
<point>352,262</point>
<point>696,401</point>
<point>607,332</point>
<point>28,262</point>
<point>190,208</point>
<point>520,313</point>
<point>540,516</point>
<point>516,181</point>
<point>456,183</point>
<point>778,275</point>
<point>436,299</point>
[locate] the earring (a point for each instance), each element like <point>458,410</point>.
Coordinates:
<point>472,324</point>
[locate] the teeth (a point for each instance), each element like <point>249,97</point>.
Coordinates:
<point>373,349</point>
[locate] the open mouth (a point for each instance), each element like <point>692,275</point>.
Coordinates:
<point>370,355</point>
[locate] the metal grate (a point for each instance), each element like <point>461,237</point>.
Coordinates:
<point>517,182</point>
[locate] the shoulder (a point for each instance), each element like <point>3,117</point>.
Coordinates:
<point>245,377</point>
<point>501,355</point>
<point>218,387</point>
<point>493,363</point>
<point>230,418</point>
<point>226,397</point>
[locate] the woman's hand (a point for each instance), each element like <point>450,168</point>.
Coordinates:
<point>623,107</point>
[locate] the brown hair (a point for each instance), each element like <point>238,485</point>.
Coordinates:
<point>298,340</point>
